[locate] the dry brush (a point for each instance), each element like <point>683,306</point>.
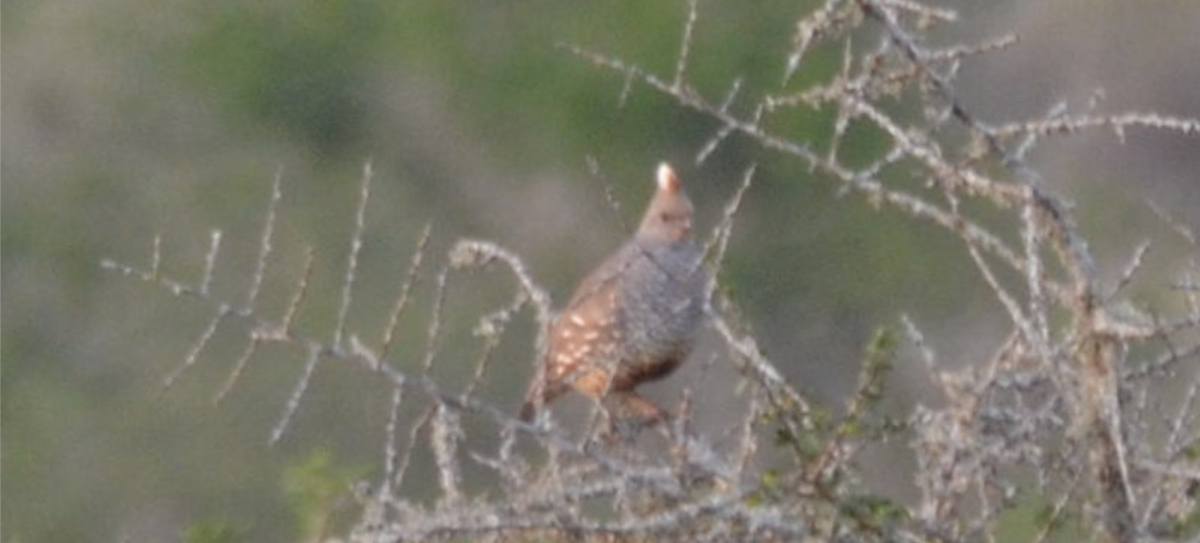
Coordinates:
<point>1066,409</point>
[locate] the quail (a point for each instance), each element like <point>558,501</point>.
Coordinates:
<point>634,318</point>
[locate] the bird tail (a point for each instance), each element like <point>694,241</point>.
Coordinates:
<point>540,394</point>
<point>530,406</point>
<point>528,410</point>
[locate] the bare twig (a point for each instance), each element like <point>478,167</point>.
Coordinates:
<point>410,278</point>
<point>264,246</point>
<point>356,242</point>
<point>210,261</point>
<point>194,353</point>
<point>293,403</point>
<point>685,45</point>
<point>610,197</point>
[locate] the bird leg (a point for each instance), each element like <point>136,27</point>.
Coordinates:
<point>629,413</point>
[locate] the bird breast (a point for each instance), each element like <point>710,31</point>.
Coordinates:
<point>662,294</point>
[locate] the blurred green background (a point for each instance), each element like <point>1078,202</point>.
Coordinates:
<point>127,118</point>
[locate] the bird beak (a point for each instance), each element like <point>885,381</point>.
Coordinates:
<point>667,181</point>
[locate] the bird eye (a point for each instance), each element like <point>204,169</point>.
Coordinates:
<point>664,217</point>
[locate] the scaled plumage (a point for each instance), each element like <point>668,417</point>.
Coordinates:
<point>634,318</point>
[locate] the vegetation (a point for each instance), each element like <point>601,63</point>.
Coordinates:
<point>1067,409</point>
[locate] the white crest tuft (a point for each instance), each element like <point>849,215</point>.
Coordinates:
<point>666,178</point>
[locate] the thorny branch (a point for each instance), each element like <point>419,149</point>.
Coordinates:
<point>1068,396</point>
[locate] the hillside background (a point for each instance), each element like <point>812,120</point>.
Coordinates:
<point>125,118</point>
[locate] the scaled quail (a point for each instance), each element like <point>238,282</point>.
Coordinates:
<point>636,314</point>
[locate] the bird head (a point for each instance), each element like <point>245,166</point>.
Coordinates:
<point>668,218</point>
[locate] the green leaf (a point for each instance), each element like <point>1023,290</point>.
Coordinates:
<point>314,485</point>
